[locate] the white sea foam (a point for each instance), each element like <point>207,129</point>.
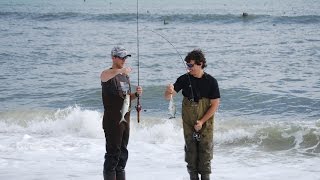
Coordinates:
<point>70,144</point>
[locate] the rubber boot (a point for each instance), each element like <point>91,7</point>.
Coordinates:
<point>109,175</point>
<point>205,176</point>
<point>194,176</point>
<point>121,175</point>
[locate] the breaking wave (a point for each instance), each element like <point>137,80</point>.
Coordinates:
<point>268,136</point>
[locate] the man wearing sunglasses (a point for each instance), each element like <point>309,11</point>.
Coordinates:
<point>201,99</point>
<point>115,87</point>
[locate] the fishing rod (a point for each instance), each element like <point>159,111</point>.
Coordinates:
<point>192,95</point>
<point>195,134</point>
<point>138,107</point>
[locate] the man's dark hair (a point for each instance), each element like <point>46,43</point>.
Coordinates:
<point>198,56</point>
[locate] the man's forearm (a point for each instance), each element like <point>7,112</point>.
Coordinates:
<point>211,111</point>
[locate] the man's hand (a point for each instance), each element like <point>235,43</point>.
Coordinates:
<point>169,92</point>
<point>139,90</point>
<point>198,126</point>
<point>126,70</point>
<point>170,89</point>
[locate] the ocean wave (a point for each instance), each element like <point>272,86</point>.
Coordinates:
<point>271,136</point>
<point>70,120</point>
<point>169,18</point>
<point>268,136</point>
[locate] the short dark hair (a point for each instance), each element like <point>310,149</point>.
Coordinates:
<point>198,56</point>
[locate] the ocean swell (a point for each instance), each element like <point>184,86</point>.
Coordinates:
<point>176,18</point>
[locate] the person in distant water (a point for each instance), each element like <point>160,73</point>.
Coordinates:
<point>115,86</point>
<point>200,102</point>
<point>245,14</point>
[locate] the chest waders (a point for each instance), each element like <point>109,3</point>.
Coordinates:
<point>198,153</point>
<point>116,135</point>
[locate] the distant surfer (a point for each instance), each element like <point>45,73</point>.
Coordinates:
<point>116,89</point>
<point>245,14</point>
<point>201,97</point>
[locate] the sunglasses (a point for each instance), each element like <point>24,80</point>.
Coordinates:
<point>122,58</point>
<point>189,65</point>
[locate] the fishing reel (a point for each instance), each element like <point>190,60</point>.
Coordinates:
<point>196,136</point>
<point>138,107</point>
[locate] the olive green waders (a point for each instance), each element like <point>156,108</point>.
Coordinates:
<point>198,153</point>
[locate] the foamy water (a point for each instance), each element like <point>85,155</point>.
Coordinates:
<point>69,144</point>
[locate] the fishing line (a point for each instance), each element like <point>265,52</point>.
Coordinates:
<point>138,42</point>
<point>192,95</point>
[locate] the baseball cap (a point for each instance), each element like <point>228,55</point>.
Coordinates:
<point>120,52</point>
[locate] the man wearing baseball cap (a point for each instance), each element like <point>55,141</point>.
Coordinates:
<point>115,88</point>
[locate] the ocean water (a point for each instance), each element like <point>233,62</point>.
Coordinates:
<point>267,65</point>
